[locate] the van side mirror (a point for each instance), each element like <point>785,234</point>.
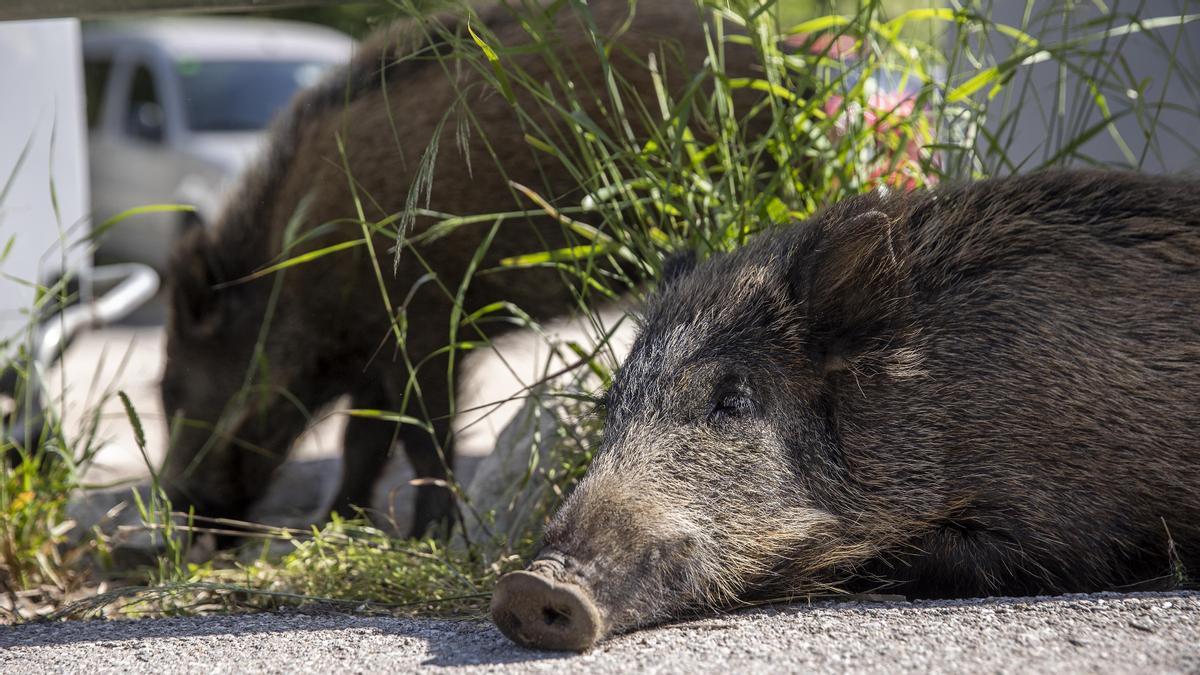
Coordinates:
<point>145,121</point>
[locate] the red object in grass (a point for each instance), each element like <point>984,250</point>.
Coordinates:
<point>883,113</point>
<point>887,114</point>
<point>835,46</point>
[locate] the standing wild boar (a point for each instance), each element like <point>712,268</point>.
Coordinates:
<point>249,359</point>
<point>985,389</point>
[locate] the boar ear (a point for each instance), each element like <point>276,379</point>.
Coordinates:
<point>676,266</point>
<point>195,300</point>
<point>852,276</point>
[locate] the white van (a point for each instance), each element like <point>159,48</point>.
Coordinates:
<point>177,107</point>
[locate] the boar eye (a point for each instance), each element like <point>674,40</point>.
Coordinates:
<point>731,404</point>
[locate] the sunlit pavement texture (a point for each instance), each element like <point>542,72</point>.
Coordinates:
<point>129,359</point>
<point>1142,633</point>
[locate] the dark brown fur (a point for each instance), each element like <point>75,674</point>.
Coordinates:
<point>985,389</point>
<point>330,332</point>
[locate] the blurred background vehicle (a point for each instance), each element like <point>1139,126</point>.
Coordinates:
<point>176,109</point>
<point>43,208</point>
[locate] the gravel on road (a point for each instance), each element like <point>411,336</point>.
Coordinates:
<point>1144,632</point>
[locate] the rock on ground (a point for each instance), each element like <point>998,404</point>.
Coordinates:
<point>1093,633</point>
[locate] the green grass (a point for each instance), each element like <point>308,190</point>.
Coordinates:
<point>40,563</point>
<point>698,182</point>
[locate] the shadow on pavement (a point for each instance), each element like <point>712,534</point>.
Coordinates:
<point>486,646</point>
<point>446,642</point>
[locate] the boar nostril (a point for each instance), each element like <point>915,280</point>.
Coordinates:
<point>554,615</point>
<point>536,611</point>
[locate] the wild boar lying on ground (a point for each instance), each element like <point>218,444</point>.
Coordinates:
<point>352,149</point>
<point>985,389</point>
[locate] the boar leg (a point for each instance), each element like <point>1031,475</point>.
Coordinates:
<point>366,450</point>
<point>367,446</point>
<point>429,450</point>
<point>435,503</point>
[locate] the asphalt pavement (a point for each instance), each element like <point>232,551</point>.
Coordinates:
<point>1106,633</point>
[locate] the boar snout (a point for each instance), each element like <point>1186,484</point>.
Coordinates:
<point>537,608</point>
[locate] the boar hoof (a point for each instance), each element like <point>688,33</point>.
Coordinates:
<point>541,613</point>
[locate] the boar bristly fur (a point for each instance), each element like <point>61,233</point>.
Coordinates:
<point>983,389</point>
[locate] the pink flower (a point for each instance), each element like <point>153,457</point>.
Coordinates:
<point>890,163</point>
<point>836,46</point>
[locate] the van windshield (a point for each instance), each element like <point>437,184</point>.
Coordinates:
<point>241,95</point>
